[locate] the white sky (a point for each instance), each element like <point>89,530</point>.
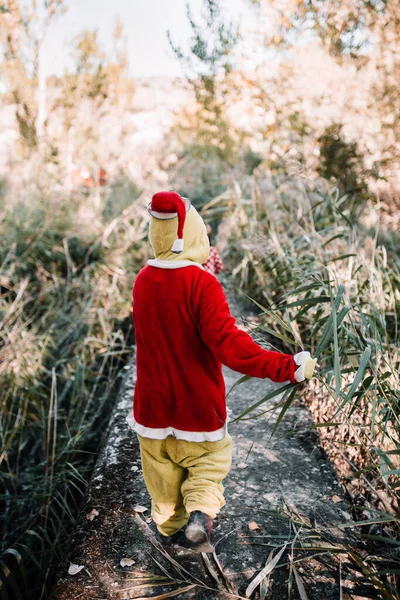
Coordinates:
<point>146,23</point>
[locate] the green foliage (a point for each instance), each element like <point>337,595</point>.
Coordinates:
<point>320,284</point>
<point>60,366</point>
<point>201,180</point>
<point>346,27</point>
<point>342,162</point>
<point>207,69</point>
<point>251,161</point>
<point>329,289</point>
<point>119,196</point>
<point>3,187</point>
<point>23,25</point>
<point>97,82</point>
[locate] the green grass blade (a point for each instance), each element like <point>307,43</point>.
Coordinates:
<point>359,375</point>
<point>281,390</point>
<point>307,302</point>
<point>239,382</point>
<point>285,407</point>
<point>280,336</point>
<point>328,330</point>
<point>342,257</point>
<point>336,356</point>
<point>271,314</point>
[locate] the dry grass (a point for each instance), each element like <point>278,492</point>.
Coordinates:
<point>66,276</point>
<point>322,284</point>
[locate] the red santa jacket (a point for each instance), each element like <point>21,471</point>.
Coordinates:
<point>184,333</point>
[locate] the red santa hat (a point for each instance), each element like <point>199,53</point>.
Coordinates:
<point>168,205</point>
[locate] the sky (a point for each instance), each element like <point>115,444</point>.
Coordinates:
<point>145,22</point>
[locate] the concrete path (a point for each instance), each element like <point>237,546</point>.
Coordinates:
<point>280,491</point>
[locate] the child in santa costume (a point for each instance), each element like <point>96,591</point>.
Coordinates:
<point>184,333</point>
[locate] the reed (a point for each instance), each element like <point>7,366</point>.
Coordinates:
<point>66,276</point>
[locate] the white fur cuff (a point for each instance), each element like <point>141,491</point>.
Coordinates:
<point>300,359</point>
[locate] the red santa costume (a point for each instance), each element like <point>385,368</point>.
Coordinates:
<point>184,334</point>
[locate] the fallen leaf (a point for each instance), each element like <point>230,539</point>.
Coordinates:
<point>253,526</point>
<point>300,584</point>
<point>264,585</point>
<point>126,562</point>
<point>92,515</point>
<point>336,499</point>
<point>210,568</point>
<point>269,567</point>
<point>140,509</point>
<point>242,465</point>
<point>74,569</point>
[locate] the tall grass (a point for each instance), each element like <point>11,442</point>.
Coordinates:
<point>65,278</point>
<point>321,284</point>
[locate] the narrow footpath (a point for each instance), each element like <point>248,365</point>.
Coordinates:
<point>282,498</point>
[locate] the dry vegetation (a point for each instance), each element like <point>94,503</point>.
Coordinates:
<point>320,282</point>
<point>297,157</point>
<point>65,336</point>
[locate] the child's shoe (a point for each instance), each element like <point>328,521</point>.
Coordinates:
<point>179,539</point>
<point>166,540</point>
<point>199,532</point>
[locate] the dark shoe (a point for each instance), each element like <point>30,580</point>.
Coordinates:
<point>177,539</point>
<point>199,532</point>
<point>166,540</point>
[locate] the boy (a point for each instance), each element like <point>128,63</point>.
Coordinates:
<point>184,333</point>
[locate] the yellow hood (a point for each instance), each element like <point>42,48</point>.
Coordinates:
<point>196,245</point>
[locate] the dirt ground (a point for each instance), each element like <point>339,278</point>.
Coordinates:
<point>277,487</point>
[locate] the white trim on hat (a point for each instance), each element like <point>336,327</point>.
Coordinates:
<point>165,216</point>
<point>172,264</point>
<point>189,436</point>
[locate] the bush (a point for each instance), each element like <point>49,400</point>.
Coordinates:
<point>65,305</point>
<point>321,284</point>
<point>251,160</point>
<point>120,195</point>
<point>343,163</point>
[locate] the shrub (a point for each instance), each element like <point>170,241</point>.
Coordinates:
<point>65,304</point>
<point>321,284</point>
<point>343,163</point>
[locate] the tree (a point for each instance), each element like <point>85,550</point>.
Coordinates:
<point>207,68</point>
<point>98,86</point>
<point>23,28</point>
<point>347,27</point>
<point>363,32</point>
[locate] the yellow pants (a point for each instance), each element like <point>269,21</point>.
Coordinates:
<point>182,477</point>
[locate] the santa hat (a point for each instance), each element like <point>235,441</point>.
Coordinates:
<point>168,205</point>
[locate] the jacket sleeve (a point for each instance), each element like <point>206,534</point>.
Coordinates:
<point>233,347</point>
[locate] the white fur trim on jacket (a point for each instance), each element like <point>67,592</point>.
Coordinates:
<point>300,359</point>
<point>173,264</point>
<point>179,434</point>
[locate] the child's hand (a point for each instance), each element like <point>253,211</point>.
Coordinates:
<point>306,366</point>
